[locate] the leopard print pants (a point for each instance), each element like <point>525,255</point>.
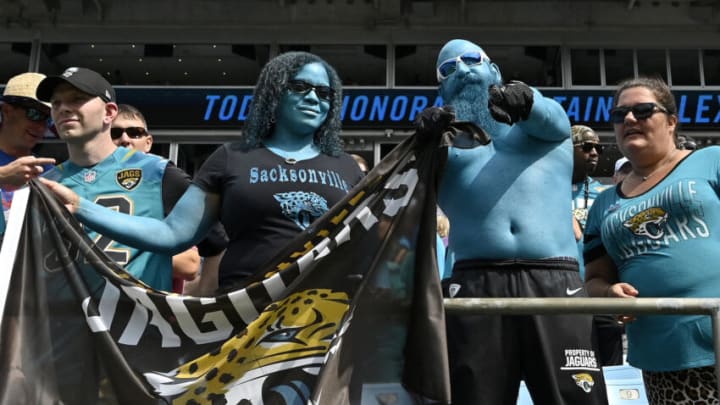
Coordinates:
<point>695,386</point>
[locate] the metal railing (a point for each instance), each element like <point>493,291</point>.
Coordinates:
<point>556,306</point>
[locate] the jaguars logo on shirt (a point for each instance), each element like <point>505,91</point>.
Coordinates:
<point>584,381</point>
<point>302,207</point>
<point>648,223</point>
<point>129,179</point>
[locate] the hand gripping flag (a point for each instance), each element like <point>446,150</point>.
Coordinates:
<point>349,313</point>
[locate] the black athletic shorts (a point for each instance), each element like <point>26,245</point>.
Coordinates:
<point>490,354</point>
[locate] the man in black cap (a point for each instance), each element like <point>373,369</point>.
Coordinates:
<point>83,109</point>
<point>85,80</point>
<point>23,125</point>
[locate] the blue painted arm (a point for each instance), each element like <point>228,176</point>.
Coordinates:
<point>548,120</point>
<point>186,224</point>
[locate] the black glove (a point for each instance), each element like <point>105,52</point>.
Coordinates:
<point>433,121</point>
<point>510,103</point>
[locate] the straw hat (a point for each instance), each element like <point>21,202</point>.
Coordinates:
<point>22,88</point>
<point>581,134</point>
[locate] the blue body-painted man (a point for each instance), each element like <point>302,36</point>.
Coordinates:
<point>512,236</point>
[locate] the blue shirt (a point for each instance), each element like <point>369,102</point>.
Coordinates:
<point>665,242</point>
<point>130,182</point>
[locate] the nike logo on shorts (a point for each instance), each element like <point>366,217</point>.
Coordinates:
<point>572,292</point>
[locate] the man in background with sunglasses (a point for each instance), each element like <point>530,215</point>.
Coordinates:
<point>130,130</point>
<point>24,120</point>
<point>508,203</point>
<point>586,154</point>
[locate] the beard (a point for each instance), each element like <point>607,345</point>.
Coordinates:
<point>471,104</point>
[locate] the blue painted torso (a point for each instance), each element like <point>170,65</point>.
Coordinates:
<point>491,193</point>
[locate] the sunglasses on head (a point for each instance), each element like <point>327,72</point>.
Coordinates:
<point>132,132</point>
<point>449,66</point>
<point>303,87</point>
<point>587,147</point>
<point>641,111</point>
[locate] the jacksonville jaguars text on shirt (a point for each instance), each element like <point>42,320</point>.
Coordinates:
<point>670,216</point>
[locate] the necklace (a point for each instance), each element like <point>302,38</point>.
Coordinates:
<point>662,165</point>
<point>292,157</point>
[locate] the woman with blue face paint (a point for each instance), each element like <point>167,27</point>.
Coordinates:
<point>287,170</point>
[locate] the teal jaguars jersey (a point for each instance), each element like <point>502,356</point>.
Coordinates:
<point>666,243</point>
<point>129,182</point>
<point>581,203</point>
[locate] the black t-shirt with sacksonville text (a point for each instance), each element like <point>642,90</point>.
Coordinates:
<point>266,201</point>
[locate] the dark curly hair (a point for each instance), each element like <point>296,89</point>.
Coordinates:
<point>271,86</point>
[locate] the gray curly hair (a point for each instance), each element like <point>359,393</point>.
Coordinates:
<point>271,86</point>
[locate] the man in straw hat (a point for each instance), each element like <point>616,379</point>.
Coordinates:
<point>23,125</point>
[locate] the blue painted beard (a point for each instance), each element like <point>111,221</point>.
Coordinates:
<point>471,104</point>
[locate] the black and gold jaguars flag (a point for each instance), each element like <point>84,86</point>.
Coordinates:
<point>350,313</point>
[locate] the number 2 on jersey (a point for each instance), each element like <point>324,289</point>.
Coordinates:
<point>123,205</point>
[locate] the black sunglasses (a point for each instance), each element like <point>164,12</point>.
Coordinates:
<point>303,87</point>
<point>132,132</point>
<point>588,146</point>
<point>32,113</point>
<point>641,111</point>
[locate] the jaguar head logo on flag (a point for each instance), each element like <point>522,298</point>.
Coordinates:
<point>293,334</point>
<point>287,336</point>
